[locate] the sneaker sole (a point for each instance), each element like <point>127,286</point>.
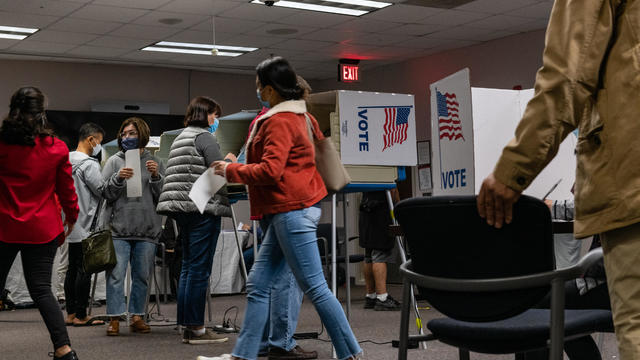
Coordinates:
<point>208,341</point>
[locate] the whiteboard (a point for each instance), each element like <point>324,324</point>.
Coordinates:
<point>496,114</point>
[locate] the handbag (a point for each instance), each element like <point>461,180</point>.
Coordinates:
<point>328,162</point>
<point>98,253</point>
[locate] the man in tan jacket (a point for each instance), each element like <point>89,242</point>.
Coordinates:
<point>590,79</point>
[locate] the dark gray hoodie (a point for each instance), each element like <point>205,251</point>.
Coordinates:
<point>133,218</point>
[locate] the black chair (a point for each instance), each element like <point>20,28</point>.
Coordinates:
<point>324,237</point>
<point>486,280</point>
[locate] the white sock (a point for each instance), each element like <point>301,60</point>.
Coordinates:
<point>382,297</point>
<point>371,296</point>
<point>198,332</point>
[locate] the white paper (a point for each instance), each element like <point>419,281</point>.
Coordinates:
<point>424,153</point>
<point>205,187</point>
<point>425,178</point>
<point>134,184</point>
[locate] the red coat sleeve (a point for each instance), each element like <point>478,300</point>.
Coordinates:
<point>66,191</point>
<point>278,140</point>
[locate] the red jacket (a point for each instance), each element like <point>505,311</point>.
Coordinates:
<point>280,170</point>
<point>30,176</point>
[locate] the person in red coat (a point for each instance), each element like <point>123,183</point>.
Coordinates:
<point>34,168</point>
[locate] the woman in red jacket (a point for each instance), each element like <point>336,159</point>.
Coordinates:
<point>285,188</point>
<point>34,167</point>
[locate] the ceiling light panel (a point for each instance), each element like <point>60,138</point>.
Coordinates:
<point>16,33</point>
<point>198,49</point>
<point>343,7</point>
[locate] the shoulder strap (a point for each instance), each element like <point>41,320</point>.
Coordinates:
<point>96,216</point>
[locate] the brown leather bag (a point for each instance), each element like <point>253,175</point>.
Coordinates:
<point>328,162</point>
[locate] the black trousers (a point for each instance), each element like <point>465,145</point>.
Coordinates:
<point>37,263</point>
<point>77,283</point>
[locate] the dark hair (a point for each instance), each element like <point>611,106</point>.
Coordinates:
<point>89,129</point>
<point>198,110</point>
<point>278,73</point>
<point>141,127</point>
<point>26,118</point>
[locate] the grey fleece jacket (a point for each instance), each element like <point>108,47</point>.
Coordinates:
<point>133,218</point>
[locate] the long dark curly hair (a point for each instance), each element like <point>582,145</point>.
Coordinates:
<point>26,118</point>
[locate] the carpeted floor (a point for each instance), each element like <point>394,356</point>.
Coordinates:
<point>23,335</point>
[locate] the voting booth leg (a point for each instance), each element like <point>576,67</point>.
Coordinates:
<point>346,255</point>
<point>93,292</point>
<point>403,257</point>
<point>243,267</point>
<point>334,268</point>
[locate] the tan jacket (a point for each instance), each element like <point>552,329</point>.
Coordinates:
<point>590,79</point>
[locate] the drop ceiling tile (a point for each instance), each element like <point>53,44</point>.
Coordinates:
<point>42,47</point>
<point>367,25</point>
<point>136,4</point>
<point>496,6</point>
<point>499,22</point>
<point>454,17</point>
<point>257,12</point>
<point>186,20</point>
<point>40,7</point>
<point>302,45</point>
<point>403,13</point>
<point>26,20</point>
<point>84,26</point>
<point>393,52</point>
<point>245,60</point>
<point>229,25</point>
<point>315,19</point>
<point>148,55</point>
<point>379,39</point>
<point>203,7</point>
<point>332,35</point>
<point>145,32</point>
<point>463,33</point>
<point>109,13</point>
<point>62,37</point>
<point>541,10</point>
<point>423,42</point>
<point>539,24</point>
<point>97,52</point>
<point>414,29</point>
<point>451,45</point>
<point>269,29</point>
<point>198,59</point>
<point>119,42</point>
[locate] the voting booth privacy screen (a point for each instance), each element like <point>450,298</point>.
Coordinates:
<point>469,129</point>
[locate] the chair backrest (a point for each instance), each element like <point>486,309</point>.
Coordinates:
<point>448,239</point>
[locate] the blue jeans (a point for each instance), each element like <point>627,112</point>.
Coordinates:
<point>141,255</point>
<point>199,240</point>
<point>291,239</point>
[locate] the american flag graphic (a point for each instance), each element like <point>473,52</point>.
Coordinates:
<point>448,118</point>
<point>396,124</point>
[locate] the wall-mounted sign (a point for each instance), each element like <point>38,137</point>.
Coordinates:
<point>349,70</point>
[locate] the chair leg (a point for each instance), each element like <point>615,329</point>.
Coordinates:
<point>404,320</point>
<point>463,354</point>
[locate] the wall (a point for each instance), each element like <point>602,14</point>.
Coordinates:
<point>501,63</point>
<point>74,86</point>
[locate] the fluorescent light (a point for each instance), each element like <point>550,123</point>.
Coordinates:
<point>367,3</point>
<point>12,36</point>
<point>189,51</point>
<point>18,29</point>
<point>313,7</point>
<point>205,46</point>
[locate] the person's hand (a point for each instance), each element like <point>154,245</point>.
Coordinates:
<point>152,167</point>
<point>69,227</point>
<point>231,157</point>
<point>495,202</point>
<point>125,173</point>
<point>549,203</point>
<point>219,166</point>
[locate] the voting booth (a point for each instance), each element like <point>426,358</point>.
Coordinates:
<point>469,129</point>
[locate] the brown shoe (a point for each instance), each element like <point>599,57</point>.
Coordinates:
<point>114,328</point>
<point>295,353</point>
<point>139,326</point>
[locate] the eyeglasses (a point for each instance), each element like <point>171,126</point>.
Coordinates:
<point>126,134</point>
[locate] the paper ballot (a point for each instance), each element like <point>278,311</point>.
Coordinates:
<point>205,187</point>
<point>134,184</point>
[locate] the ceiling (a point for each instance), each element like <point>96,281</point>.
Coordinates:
<point>114,31</point>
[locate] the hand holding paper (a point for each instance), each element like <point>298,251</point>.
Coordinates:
<point>205,188</point>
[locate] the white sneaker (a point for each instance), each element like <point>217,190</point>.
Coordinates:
<point>221,357</point>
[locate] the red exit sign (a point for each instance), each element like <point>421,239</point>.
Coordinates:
<point>348,73</point>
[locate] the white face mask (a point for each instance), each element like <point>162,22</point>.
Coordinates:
<point>96,149</point>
